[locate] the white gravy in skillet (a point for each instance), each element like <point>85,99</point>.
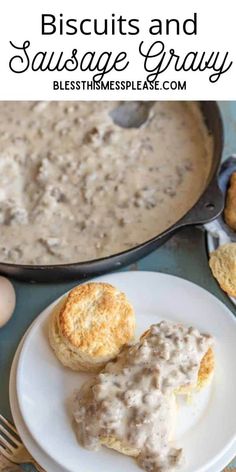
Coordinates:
<point>74,186</point>
<point>132,401</point>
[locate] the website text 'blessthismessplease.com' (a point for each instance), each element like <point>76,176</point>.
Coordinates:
<point>119,85</point>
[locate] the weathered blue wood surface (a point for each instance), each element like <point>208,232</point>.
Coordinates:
<point>184,255</point>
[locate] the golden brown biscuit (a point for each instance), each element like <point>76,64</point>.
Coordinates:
<point>223,265</point>
<point>230,208</point>
<point>90,326</point>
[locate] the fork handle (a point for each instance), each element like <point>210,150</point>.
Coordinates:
<point>11,468</point>
<point>7,466</point>
<point>37,466</point>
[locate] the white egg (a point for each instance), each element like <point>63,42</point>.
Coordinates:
<point>7,300</point>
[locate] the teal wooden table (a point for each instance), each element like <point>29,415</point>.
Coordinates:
<point>184,255</point>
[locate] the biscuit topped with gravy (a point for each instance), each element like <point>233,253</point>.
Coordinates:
<point>90,326</point>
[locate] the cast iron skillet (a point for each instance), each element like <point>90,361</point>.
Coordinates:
<point>208,207</point>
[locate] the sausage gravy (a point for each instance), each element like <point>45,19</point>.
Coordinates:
<point>132,400</point>
<point>74,186</point>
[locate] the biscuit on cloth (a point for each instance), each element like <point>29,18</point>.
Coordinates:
<point>223,265</point>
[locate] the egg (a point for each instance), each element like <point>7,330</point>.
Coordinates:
<point>7,300</point>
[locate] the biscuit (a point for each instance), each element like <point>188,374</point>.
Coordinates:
<point>121,446</point>
<point>113,442</point>
<point>90,326</point>
<point>86,397</point>
<point>207,367</point>
<point>230,208</point>
<point>223,265</point>
<point>204,374</point>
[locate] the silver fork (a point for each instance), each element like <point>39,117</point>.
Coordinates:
<point>12,447</point>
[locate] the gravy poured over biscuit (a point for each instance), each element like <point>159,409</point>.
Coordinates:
<point>130,405</point>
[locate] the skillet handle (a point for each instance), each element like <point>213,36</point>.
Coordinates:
<point>209,207</point>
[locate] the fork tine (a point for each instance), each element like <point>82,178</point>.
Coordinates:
<point>5,442</point>
<point>9,437</point>
<point>10,425</point>
<point>4,452</point>
<point>4,447</point>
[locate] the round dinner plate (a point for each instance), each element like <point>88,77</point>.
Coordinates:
<point>206,428</point>
<point>43,459</point>
<point>37,453</point>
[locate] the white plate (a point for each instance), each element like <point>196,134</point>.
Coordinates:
<point>41,457</point>
<point>48,464</point>
<point>45,388</point>
<point>45,461</point>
